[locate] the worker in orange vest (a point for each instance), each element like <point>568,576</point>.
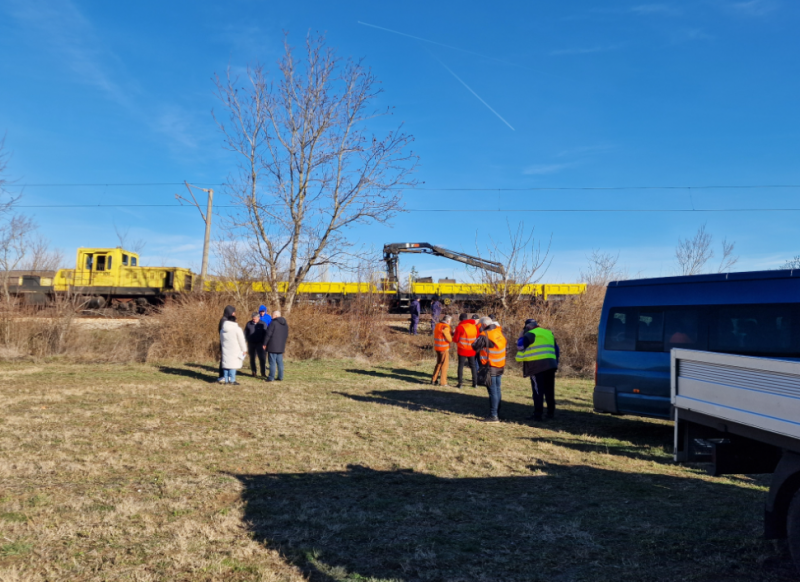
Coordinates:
<point>442,338</point>
<point>465,336</point>
<point>491,347</point>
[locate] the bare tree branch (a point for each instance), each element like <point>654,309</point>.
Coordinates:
<point>308,169</point>
<point>693,253</point>
<point>728,258</point>
<point>135,245</point>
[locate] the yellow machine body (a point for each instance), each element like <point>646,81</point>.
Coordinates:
<point>116,272</point>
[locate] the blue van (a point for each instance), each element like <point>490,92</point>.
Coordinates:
<point>756,313</point>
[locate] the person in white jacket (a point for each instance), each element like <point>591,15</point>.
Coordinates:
<point>234,349</point>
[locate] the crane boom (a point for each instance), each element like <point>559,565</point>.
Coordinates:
<point>391,255</point>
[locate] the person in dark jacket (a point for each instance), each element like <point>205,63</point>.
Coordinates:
<point>436,313</point>
<point>538,351</point>
<point>275,344</point>
<point>415,310</point>
<point>230,311</point>
<point>255,333</point>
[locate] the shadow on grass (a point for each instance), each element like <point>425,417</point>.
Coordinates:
<point>559,523</point>
<point>188,373</point>
<point>412,376</point>
<point>475,402</point>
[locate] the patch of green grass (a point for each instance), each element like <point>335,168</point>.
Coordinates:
<point>12,516</point>
<point>17,548</point>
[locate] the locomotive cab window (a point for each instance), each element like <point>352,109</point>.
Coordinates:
<point>101,263</point>
<point>108,262</point>
<point>133,261</point>
<point>124,260</point>
<point>89,261</point>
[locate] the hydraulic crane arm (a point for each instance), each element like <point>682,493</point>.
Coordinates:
<point>391,255</point>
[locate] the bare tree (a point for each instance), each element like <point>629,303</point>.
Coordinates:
<point>728,258</point>
<point>307,167</point>
<point>791,263</point>
<point>694,253</point>
<point>602,269</point>
<point>523,260</point>
<point>14,238</point>
<point>39,256</point>
<point>133,245</point>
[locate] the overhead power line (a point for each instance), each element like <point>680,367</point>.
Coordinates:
<point>427,189</point>
<point>606,210</point>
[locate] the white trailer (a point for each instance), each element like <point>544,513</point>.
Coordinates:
<point>743,414</point>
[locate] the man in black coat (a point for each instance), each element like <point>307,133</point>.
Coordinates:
<point>275,344</point>
<point>255,334</point>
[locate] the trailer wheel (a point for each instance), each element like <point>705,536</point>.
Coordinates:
<point>793,529</point>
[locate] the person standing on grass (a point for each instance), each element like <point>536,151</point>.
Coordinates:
<point>255,332</point>
<point>442,339</point>
<point>234,349</point>
<point>491,347</point>
<point>264,315</point>
<point>465,336</point>
<point>229,311</point>
<point>415,310</point>
<point>436,313</point>
<point>275,345</point>
<point>538,351</point>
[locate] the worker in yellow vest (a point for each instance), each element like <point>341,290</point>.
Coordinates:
<point>538,351</point>
<point>491,349</point>
<point>442,338</point>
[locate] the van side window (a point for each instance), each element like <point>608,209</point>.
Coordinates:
<point>621,329</point>
<point>754,329</point>
<point>124,260</point>
<point>684,328</point>
<point>650,337</point>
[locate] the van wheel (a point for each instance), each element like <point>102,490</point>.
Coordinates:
<point>793,529</point>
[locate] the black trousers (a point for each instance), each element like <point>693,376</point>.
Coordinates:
<point>543,386</point>
<point>258,350</point>
<point>472,366</point>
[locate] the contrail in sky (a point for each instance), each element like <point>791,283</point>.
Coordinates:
<point>455,48</point>
<point>500,117</point>
<point>449,70</point>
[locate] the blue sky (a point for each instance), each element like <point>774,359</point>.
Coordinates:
<point>502,96</point>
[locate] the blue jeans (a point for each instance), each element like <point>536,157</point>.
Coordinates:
<point>494,394</point>
<point>275,362</point>
<point>229,375</point>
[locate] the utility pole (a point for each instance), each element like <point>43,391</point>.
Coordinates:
<point>207,219</point>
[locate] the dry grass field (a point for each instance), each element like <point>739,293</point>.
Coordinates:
<point>348,471</point>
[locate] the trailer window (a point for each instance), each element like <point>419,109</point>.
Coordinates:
<point>124,260</point>
<point>754,329</point>
<point>621,329</point>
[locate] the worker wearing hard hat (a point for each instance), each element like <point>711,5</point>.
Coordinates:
<point>491,349</point>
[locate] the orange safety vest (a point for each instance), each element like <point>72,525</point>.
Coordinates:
<point>440,341</point>
<point>496,356</point>
<point>468,336</point>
